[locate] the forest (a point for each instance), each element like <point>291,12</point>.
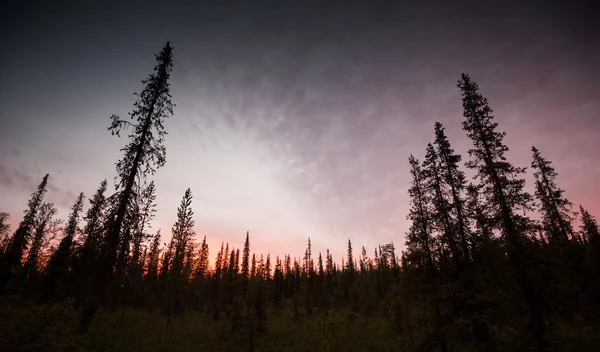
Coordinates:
<point>487,266</point>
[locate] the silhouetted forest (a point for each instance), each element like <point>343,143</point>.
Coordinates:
<point>486,266</point>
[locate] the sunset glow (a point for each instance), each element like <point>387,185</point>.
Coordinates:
<point>290,133</point>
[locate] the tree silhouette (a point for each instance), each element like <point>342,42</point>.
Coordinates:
<point>59,262</point>
<point>4,231</point>
<point>183,235</point>
<point>555,208</point>
<point>502,187</point>
<point>11,260</point>
<point>143,155</point>
<point>44,226</point>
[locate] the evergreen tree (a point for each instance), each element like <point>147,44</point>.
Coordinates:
<point>59,262</point>
<point>502,187</point>
<point>589,227</point>
<point>419,243</point>
<point>246,259</point>
<point>10,262</point>
<point>92,242</point>
<point>153,261</point>
<point>143,154</point>
<point>182,237</point>
<point>555,208</point>
<point>43,227</point>
<point>4,231</point>
<point>418,240</point>
<point>441,218</point>
<point>455,179</point>
<point>253,267</point>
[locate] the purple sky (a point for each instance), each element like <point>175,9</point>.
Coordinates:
<point>293,120</point>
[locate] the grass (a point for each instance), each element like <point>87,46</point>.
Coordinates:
<point>144,331</point>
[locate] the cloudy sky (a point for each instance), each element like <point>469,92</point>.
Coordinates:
<point>292,119</point>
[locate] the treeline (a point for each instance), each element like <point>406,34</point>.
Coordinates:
<point>479,273</point>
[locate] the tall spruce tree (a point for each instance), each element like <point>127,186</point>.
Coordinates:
<point>44,229</point>
<point>555,208</point>
<point>589,227</point>
<point>502,187</point>
<point>4,231</point>
<point>419,240</point>
<point>182,237</point>
<point>143,155</point>
<point>456,181</point>
<point>420,247</point>
<point>441,218</point>
<point>10,262</point>
<point>59,262</point>
<point>92,240</point>
<point>153,262</point>
<point>246,259</point>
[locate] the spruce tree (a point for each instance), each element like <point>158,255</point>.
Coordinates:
<point>253,267</point>
<point>59,262</point>
<point>43,227</point>
<point>246,259</point>
<point>419,243</point>
<point>153,261</point>
<point>182,237</point>
<point>456,180</point>
<point>555,208</point>
<point>4,231</point>
<point>145,210</point>
<point>92,242</point>
<point>10,262</point>
<point>441,218</point>
<point>589,227</point>
<point>143,155</point>
<point>502,187</point>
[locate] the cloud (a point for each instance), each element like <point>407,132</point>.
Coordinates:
<point>300,124</point>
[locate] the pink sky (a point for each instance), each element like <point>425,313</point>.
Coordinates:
<point>289,126</point>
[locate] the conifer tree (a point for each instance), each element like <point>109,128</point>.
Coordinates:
<point>419,241</point>
<point>308,263</point>
<point>441,218</point>
<point>143,155</point>
<point>201,276</point>
<point>92,242</point>
<point>420,247</point>
<point>59,262</point>
<point>44,225</point>
<point>246,259</point>
<point>202,268</point>
<point>589,227</point>
<point>10,262</point>
<point>165,267</point>
<point>555,208</point>
<point>253,267</point>
<point>145,209</point>
<point>4,231</point>
<point>268,267</point>
<point>456,180</point>
<point>502,187</point>
<point>182,237</point>
<point>94,218</point>
<point>153,261</point>
<point>320,265</point>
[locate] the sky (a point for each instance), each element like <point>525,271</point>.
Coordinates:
<point>293,119</point>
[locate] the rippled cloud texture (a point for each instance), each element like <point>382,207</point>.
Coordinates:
<point>293,120</point>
